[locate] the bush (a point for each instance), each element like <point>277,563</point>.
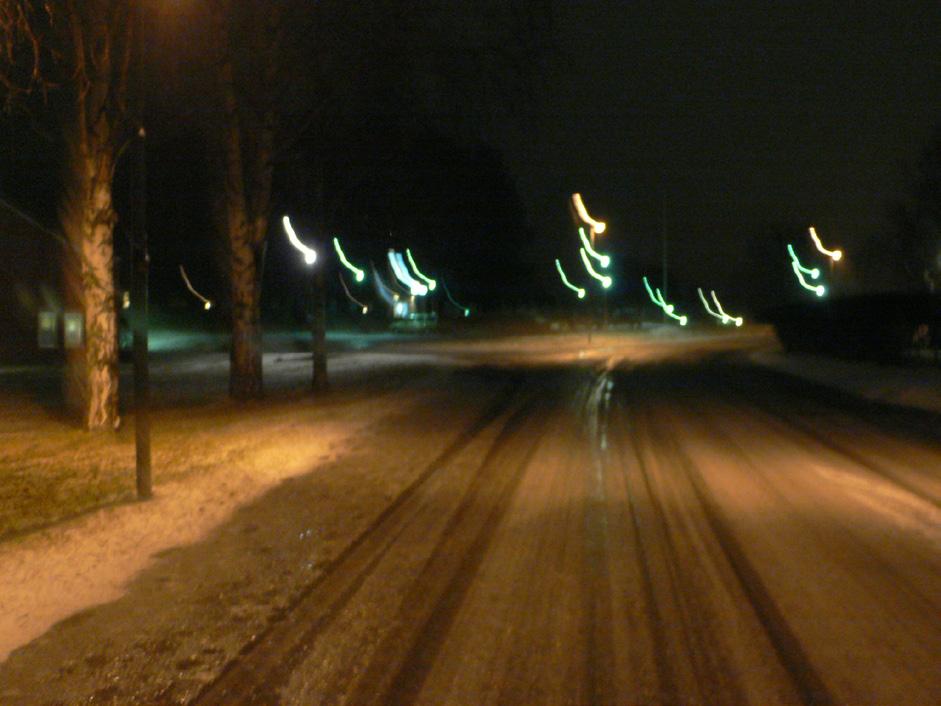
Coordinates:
<point>870,327</point>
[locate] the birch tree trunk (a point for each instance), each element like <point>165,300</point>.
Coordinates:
<point>81,49</point>
<point>87,214</point>
<point>97,269</point>
<point>87,217</point>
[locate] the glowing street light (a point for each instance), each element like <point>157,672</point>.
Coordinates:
<point>310,255</point>
<point>604,279</point>
<point>401,272</point>
<point>363,307</point>
<point>447,293</point>
<point>813,272</point>
<point>835,255</point>
<point>726,318</point>
<point>717,315</point>
<point>384,291</point>
<point>207,303</point>
<point>603,260</point>
<point>819,289</point>
<point>668,309</point>
<point>800,271</point>
<point>656,296</point>
<point>596,226</point>
<point>565,280</point>
<point>358,274</point>
<point>427,280</point>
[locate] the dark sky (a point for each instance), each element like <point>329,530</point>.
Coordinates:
<point>718,122</point>
<point>738,117</point>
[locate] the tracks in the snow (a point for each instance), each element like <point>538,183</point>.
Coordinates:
<point>662,468</point>
<point>661,562</point>
<point>264,665</point>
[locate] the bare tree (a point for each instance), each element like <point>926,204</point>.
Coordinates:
<point>917,219</point>
<point>74,56</point>
<point>247,43</point>
<point>284,68</point>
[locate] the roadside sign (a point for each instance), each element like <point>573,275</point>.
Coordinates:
<point>74,328</point>
<point>48,332</point>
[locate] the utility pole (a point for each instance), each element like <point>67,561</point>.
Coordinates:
<point>318,323</point>
<point>663,240</point>
<point>140,267</point>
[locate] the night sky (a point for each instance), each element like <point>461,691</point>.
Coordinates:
<point>729,127</point>
<point>734,119</point>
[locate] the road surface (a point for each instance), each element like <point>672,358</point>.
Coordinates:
<point>681,532</point>
<point>679,528</point>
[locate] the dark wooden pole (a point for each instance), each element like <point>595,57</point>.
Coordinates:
<point>318,323</point>
<point>141,261</point>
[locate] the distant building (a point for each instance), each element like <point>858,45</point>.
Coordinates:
<point>32,320</point>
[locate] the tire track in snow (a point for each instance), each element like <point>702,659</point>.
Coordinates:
<point>399,667</point>
<point>798,423</point>
<point>697,617</point>
<point>791,654</point>
<point>264,665</point>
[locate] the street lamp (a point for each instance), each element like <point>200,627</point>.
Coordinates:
<point>207,303</point>
<point>318,322</point>
<point>834,255</point>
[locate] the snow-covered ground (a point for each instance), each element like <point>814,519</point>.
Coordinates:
<point>50,574</point>
<point>917,386</point>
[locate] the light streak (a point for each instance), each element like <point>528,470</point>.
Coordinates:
<point>565,280</point>
<point>427,280</point>
<point>726,318</point>
<point>363,307</point>
<point>650,292</point>
<point>207,303</point>
<point>705,303</point>
<point>656,296</point>
<point>401,272</point>
<point>604,279</point>
<point>681,318</point>
<point>597,226</point>
<point>819,289</point>
<point>800,271</point>
<point>835,255</point>
<point>357,273</point>
<point>384,291</point>
<point>813,272</point>
<point>465,309</point>
<point>603,260</point>
<point>310,255</point>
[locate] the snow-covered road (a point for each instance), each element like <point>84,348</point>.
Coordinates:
<point>651,523</point>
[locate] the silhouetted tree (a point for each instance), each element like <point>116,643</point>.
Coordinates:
<point>285,68</point>
<point>917,219</point>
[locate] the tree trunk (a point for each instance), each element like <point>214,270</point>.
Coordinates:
<point>245,374</point>
<point>101,323</point>
<point>88,220</point>
<point>248,173</point>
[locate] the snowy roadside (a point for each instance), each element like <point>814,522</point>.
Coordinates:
<point>918,387</point>
<point>183,594</point>
<point>213,459</point>
<point>74,536</point>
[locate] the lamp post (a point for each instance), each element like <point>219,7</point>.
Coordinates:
<point>318,296</point>
<point>140,272</point>
<point>318,323</point>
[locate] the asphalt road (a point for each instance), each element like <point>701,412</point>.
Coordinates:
<point>681,531</point>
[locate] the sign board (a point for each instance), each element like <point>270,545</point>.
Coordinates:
<point>73,329</point>
<point>48,335</point>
